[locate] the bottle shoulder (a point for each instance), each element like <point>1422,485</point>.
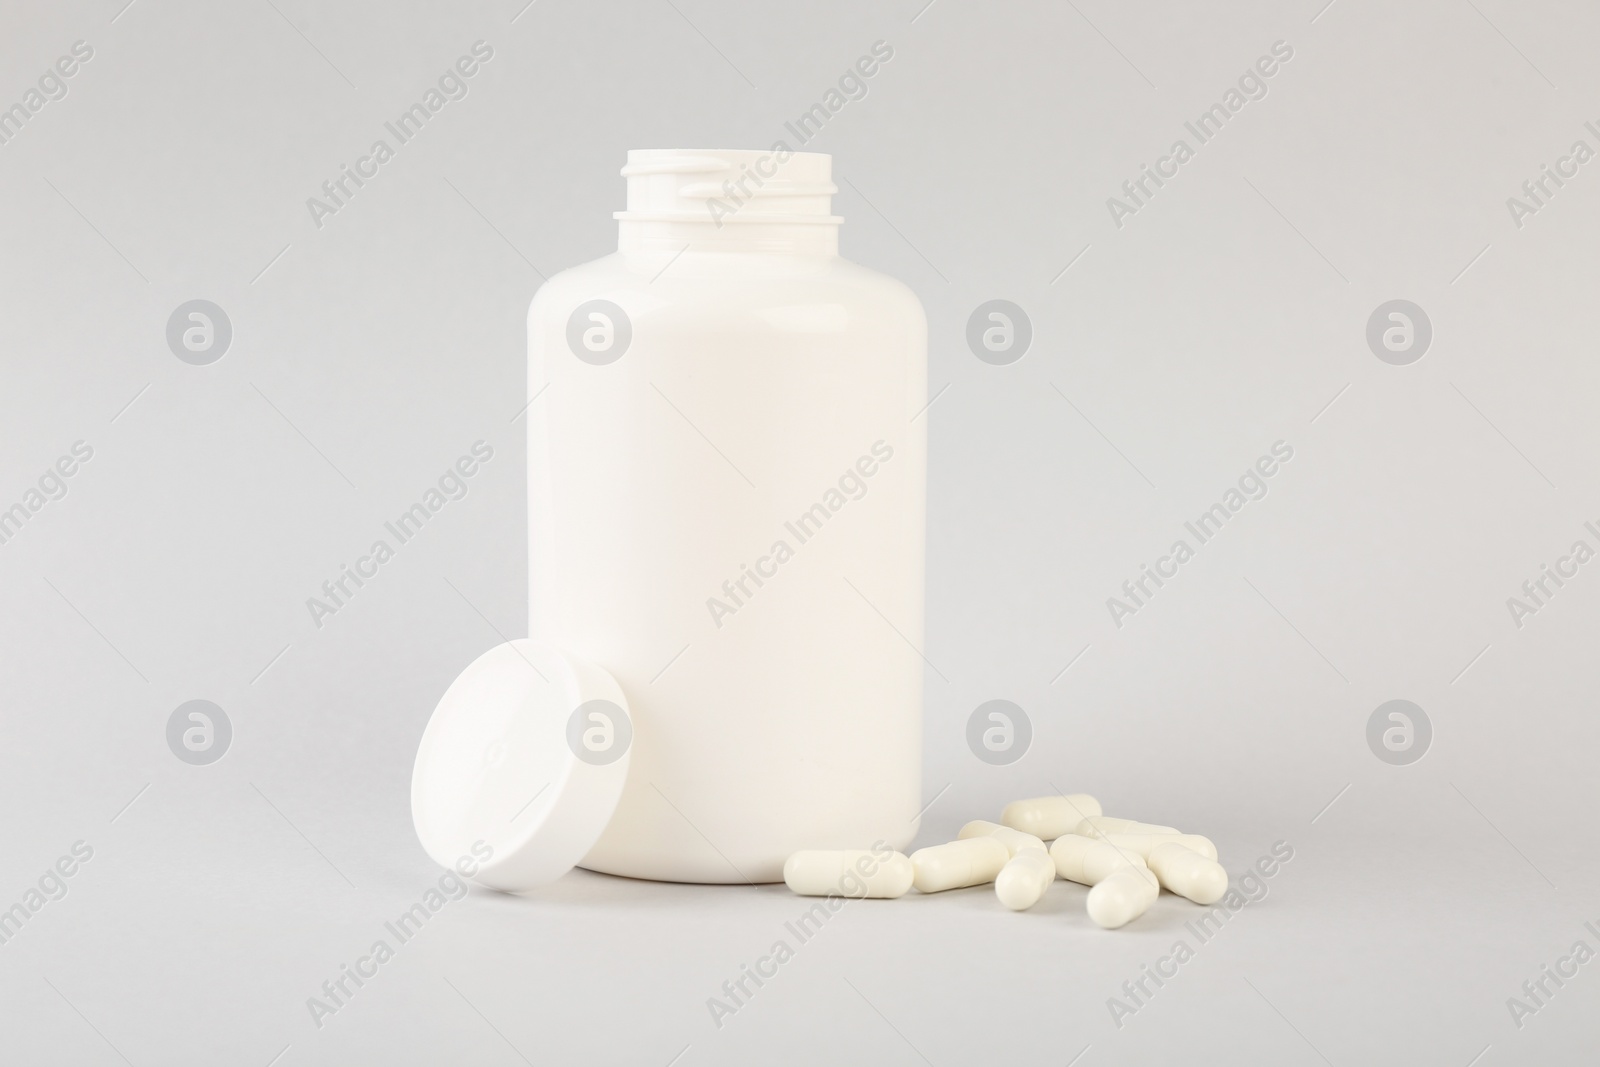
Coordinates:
<point>726,281</point>
<point>578,283</point>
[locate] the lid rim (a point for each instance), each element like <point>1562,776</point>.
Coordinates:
<point>498,732</point>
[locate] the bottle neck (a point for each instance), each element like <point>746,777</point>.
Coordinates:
<point>724,200</point>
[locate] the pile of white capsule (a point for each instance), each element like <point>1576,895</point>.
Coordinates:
<point>1126,863</point>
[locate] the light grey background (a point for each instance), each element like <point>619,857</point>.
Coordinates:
<point>1228,314</point>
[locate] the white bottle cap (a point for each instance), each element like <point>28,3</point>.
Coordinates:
<point>521,766</point>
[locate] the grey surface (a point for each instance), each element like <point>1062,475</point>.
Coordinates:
<point>1229,313</point>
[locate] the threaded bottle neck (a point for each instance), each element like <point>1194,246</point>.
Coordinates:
<point>729,200</point>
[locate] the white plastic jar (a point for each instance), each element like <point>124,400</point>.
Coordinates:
<point>727,486</point>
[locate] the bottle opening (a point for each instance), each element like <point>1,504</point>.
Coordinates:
<point>729,187</point>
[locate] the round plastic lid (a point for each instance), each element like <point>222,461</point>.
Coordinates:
<point>521,766</point>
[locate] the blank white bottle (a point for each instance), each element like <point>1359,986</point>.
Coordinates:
<point>727,475</point>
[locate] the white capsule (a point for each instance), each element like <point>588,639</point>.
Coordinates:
<point>1100,825</point>
<point>1087,861</point>
<point>851,873</point>
<point>1049,817</point>
<point>1188,873</point>
<point>1122,896</point>
<point>1014,840</point>
<point>972,861</point>
<point>1143,844</point>
<point>1024,878</point>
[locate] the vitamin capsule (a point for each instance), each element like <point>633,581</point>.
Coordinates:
<point>1024,878</point>
<point>851,873</point>
<point>1049,817</point>
<point>958,864</point>
<point>1188,873</point>
<point>1099,825</point>
<point>1144,843</point>
<point>1087,861</point>
<point>1014,840</point>
<point>1122,896</point>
